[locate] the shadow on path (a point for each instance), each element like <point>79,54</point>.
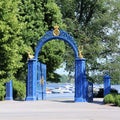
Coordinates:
<point>63,101</point>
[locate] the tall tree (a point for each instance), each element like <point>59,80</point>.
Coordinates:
<point>95,25</point>
<point>31,14</point>
<point>11,44</point>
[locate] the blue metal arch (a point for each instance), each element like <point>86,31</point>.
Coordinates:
<point>62,36</point>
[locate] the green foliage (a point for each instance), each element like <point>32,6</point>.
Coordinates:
<point>109,99</point>
<point>54,77</point>
<point>2,91</point>
<point>112,98</point>
<point>67,8</point>
<point>64,79</point>
<point>31,14</point>
<point>52,55</point>
<point>117,100</point>
<point>52,14</point>
<point>19,90</point>
<point>39,16</point>
<point>113,68</point>
<point>22,24</point>
<point>11,44</point>
<point>95,25</point>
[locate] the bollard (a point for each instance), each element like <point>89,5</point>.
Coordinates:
<point>9,90</point>
<point>107,85</point>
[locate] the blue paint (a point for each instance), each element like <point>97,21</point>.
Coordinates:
<point>9,90</point>
<point>64,36</point>
<point>31,80</point>
<point>90,92</point>
<point>80,81</point>
<point>35,74</point>
<point>107,85</point>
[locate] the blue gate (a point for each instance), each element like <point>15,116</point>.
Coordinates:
<point>35,78</point>
<point>90,92</point>
<point>41,81</point>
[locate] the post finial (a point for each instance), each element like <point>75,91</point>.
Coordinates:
<point>30,56</point>
<point>56,31</point>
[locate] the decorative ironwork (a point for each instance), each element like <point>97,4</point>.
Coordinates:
<point>64,36</point>
<point>42,81</point>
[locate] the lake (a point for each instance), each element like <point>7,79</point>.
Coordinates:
<point>70,95</point>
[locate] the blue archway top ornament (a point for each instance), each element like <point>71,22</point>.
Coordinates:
<point>62,35</point>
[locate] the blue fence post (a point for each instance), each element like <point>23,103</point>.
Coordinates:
<point>9,90</point>
<point>80,80</point>
<point>107,85</point>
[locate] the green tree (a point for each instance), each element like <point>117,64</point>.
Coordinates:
<point>112,66</point>
<point>95,25</point>
<point>64,78</point>
<point>11,44</point>
<point>31,14</point>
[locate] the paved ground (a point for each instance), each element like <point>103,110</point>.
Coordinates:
<point>57,110</point>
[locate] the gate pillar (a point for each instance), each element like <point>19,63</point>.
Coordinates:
<point>31,80</point>
<point>80,80</point>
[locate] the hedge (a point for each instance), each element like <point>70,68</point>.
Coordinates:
<point>19,90</point>
<point>2,91</point>
<point>112,98</point>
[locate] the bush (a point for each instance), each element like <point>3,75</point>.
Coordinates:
<point>2,91</point>
<point>109,99</point>
<point>117,100</point>
<point>19,90</point>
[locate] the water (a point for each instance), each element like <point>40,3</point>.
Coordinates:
<point>61,96</point>
<point>117,87</point>
<point>52,86</point>
<point>70,95</point>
